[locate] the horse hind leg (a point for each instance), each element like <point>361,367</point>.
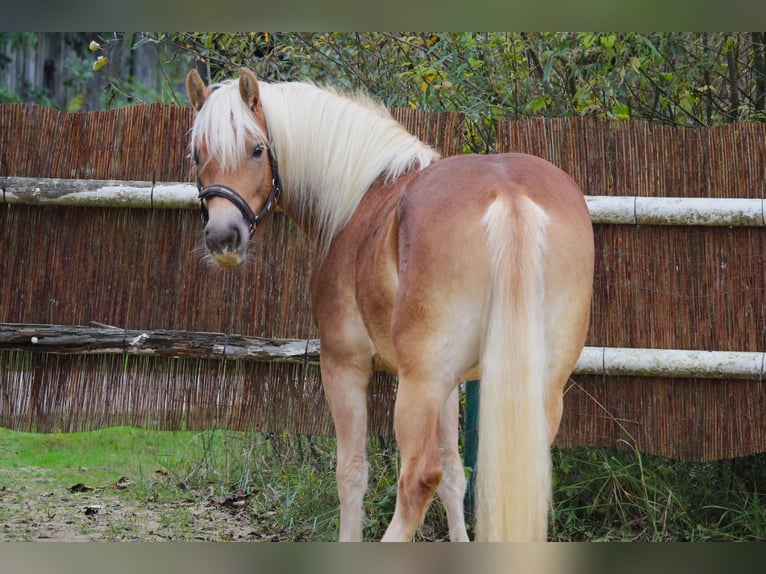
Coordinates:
<point>416,423</point>
<point>451,490</point>
<point>426,410</point>
<point>426,426</point>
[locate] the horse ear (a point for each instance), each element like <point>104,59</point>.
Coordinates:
<point>196,90</point>
<point>248,88</point>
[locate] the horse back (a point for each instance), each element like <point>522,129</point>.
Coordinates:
<point>416,249</point>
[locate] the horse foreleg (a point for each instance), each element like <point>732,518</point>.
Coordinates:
<point>416,422</point>
<point>451,490</point>
<point>346,391</point>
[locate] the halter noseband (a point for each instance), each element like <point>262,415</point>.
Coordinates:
<point>220,190</point>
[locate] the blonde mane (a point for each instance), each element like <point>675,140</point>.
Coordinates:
<point>330,147</point>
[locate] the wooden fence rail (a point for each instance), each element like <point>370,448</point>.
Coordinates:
<point>81,340</point>
<point>604,209</point>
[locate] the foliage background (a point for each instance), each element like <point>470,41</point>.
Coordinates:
<point>682,79</point>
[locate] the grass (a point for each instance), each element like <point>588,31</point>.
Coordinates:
<point>60,459</point>
<point>288,481</point>
<point>611,494</point>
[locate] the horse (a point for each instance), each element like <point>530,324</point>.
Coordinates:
<point>439,270</point>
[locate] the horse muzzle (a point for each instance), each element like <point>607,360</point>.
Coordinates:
<point>226,240</point>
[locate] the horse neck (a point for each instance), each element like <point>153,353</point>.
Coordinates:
<point>331,149</point>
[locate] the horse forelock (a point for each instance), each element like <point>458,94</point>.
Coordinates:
<point>224,126</point>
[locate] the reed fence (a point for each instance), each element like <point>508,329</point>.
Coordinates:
<point>667,287</point>
<point>683,279</point>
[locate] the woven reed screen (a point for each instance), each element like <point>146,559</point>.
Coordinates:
<point>666,287</point>
<point>143,269</point>
<point>684,288</point>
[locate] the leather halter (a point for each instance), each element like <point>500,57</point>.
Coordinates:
<point>220,190</point>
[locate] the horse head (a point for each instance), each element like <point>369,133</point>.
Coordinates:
<point>236,168</point>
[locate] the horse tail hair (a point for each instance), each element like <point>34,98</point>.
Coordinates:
<point>513,470</point>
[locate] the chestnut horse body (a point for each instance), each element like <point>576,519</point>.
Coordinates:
<point>437,270</point>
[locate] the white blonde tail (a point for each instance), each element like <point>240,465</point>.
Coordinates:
<point>513,477</point>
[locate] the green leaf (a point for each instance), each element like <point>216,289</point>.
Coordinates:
<point>537,104</point>
<point>621,111</point>
<point>608,41</point>
<point>547,70</point>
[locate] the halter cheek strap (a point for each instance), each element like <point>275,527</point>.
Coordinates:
<point>220,190</point>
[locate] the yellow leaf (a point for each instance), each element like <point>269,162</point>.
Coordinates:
<point>100,62</point>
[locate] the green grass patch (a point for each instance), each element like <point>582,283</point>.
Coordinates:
<point>289,484</point>
<point>105,455</point>
<point>621,494</point>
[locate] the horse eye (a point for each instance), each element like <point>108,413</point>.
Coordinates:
<point>195,156</point>
<point>257,151</point>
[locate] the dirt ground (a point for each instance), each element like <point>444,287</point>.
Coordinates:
<point>34,511</point>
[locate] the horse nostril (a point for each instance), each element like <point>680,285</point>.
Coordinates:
<point>220,239</point>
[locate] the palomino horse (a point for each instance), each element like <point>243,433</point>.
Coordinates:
<point>438,270</point>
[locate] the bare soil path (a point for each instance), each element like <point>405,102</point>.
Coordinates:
<point>37,511</point>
